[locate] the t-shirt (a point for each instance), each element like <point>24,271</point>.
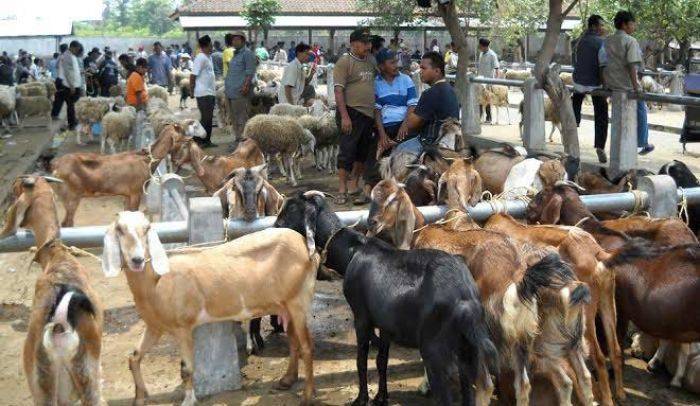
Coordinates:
<point>159,67</point>
<point>293,76</point>
<point>226,57</point>
<point>135,84</point>
<point>621,50</point>
<point>203,70</point>
<point>435,106</point>
<point>356,77</point>
<point>488,62</point>
<point>393,99</point>
<point>261,53</point>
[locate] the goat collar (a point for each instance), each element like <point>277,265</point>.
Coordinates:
<point>324,251</point>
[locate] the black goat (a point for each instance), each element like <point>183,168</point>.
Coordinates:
<point>684,178</point>
<point>421,185</point>
<point>424,299</point>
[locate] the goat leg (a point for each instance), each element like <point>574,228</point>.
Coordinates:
<point>186,341</point>
<point>276,325</point>
<point>297,315</point>
<point>683,353</point>
<point>434,360</point>
<point>254,337</point>
<point>583,376</point>
<point>597,357</point>
<point>362,333</point>
<point>85,374</point>
<point>148,340</point>
<point>292,374</point>
<point>382,397</point>
<point>608,316</point>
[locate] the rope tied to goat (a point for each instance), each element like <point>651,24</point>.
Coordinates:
<point>683,211</point>
<point>639,197</point>
<point>446,221</point>
<point>499,202</point>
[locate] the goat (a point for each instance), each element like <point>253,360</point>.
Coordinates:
<point>532,174</point>
<point>581,250</point>
<point>246,195</point>
<point>509,289</point>
<point>684,178</point>
<point>396,292</point>
<point>267,272</point>
<point>124,174</point>
<point>550,114</point>
<point>421,185</point>
<point>494,165</point>
<point>212,170</point>
<point>61,355</point>
<point>496,96</point>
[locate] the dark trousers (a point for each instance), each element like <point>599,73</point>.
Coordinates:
<point>488,112</point>
<point>371,174</point>
<point>63,95</point>
<point>205,104</point>
<point>600,112</point>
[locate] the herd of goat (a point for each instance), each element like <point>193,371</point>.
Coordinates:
<point>517,309</point>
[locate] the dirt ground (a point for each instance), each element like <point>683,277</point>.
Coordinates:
<point>331,325</point>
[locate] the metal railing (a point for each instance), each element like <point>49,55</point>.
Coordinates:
<point>177,231</point>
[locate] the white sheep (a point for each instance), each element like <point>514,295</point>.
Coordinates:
<point>33,106</point>
<point>649,85</point>
<point>550,114</point>
<point>90,110</point>
<point>268,75</point>
<point>325,131</point>
<point>184,91</point>
<point>8,102</point>
<point>567,78</point>
<point>32,89</point>
<point>280,135</point>
<point>518,74</point>
<point>286,109</point>
<point>117,126</point>
<point>158,92</point>
<point>495,96</point>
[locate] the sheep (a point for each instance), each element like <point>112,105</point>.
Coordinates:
<point>50,87</point>
<point>550,114</point>
<point>279,135</point>
<point>518,74</point>
<point>268,75</point>
<point>61,355</point>
<point>286,109</point>
<point>160,119</point>
<point>649,85</point>
<point>179,75</point>
<point>8,104</point>
<point>29,106</point>
<point>267,272</point>
<point>117,126</point>
<point>184,91</point>
<point>158,92</point>
<point>496,96</point>
<point>261,103</point>
<point>90,110</point>
<point>567,78</point>
<point>325,131</point>
<point>31,89</point>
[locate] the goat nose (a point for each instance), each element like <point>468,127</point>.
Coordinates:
<point>137,260</point>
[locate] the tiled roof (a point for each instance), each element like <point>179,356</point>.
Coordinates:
<point>307,7</point>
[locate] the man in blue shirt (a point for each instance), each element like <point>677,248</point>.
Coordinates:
<point>395,98</point>
<point>292,53</point>
<point>159,66</point>
<point>239,83</point>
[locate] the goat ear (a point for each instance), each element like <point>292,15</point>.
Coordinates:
<point>429,187</point>
<point>159,259</point>
<point>405,223</point>
<point>235,203</point>
<point>310,228</point>
<point>15,216</point>
<point>476,188</point>
<point>552,210</point>
<point>111,253</point>
<point>222,194</point>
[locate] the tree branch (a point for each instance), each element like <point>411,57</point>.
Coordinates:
<point>568,9</point>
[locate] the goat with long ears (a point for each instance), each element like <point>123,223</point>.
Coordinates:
<point>61,355</point>
<point>246,194</point>
<point>268,272</point>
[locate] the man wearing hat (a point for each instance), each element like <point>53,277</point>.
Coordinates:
<point>354,75</point>
<point>239,83</point>
<point>108,74</point>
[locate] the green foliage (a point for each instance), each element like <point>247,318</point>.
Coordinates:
<point>392,13</point>
<point>260,14</point>
<point>514,19</point>
<point>123,18</point>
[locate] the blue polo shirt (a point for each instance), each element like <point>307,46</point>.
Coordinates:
<point>393,99</point>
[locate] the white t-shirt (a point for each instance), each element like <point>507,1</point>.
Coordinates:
<point>293,76</point>
<point>203,69</point>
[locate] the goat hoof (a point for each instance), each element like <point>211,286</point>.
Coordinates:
<point>258,344</point>
<point>361,401</point>
<point>676,383</point>
<point>655,367</point>
<point>139,402</point>
<point>380,400</point>
<point>285,383</point>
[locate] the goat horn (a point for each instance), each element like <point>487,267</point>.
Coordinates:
<point>570,184</point>
<point>52,179</point>
<point>312,193</point>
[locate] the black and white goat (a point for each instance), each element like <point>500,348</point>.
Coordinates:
<point>424,299</point>
<point>684,178</point>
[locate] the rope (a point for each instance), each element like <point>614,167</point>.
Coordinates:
<point>683,211</point>
<point>638,205</point>
<point>583,220</point>
<point>445,221</point>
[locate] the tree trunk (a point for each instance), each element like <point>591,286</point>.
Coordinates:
<point>548,79</point>
<point>683,53</point>
<point>451,19</point>
<point>521,50</point>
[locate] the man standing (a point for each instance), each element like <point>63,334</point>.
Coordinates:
<point>291,54</point>
<point>203,87</point>
<point>217,59</point>
<point>228,52</point>
<point>281,55</point>
<point>239,83</point>
<point>53,65</point>
<point>68,84</point>
<point>159,66</point>
<point>435,105</point>
<point>622,61</point>
<point>136,92</point>
<point>294,79</point>
<point>588,77</point>
<point>488,68</point>
<point>354,94</point>
<point>108,74</point>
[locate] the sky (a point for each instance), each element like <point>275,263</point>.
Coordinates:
<point>76,10</point>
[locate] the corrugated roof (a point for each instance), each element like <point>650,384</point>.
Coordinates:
<point>341,7</point>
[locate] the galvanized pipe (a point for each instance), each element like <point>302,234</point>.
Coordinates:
<point>497,81</point>
<point>692,194</point>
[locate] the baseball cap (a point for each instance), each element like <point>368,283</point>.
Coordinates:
<point>384,55</point>
<point>360,34</point>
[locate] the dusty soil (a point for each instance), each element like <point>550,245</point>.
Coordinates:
<point>331,325</point>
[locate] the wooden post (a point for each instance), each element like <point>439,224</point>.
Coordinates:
<point>331,41</point>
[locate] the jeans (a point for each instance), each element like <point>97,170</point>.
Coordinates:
<point>205,104</point>
<point>642,124</point>
<point>239,110</point>
<point>63,95</point>
<point>413,145</point>
<point>600,111</point>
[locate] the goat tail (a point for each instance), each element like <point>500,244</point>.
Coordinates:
<point>60,338</point>
<point>385,168</point>
<point>472,322</point>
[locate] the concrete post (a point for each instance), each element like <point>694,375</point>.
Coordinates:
<point>153,190</point>
<point>217,346</point>
<point>330,85</point>
<point>471,121</point>
<point>331,41</point>
<point>676,88</point>
<point>662,195</point>
<point>173,202</point>
<point>623,134</point>
<point>533,116</point>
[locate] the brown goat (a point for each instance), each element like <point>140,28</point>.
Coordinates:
<point>494,166</point>
<point>61,355</point>
<point>246,195</point>
<point>212,170</point>
<point>462,183</point>
<point>507,285</point>
<point>587,258</point>
<point>91,175</point>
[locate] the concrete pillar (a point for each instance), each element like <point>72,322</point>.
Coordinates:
<point>662,195</point>
<point>173,201</point>
<point>425,40</point>
<point>331,41</point>
<point>533,116</point>
<point>676,88</point>
<point>310,36</point>
<point>217,346</point>
<point>153,191</point>
<point>471,122</point>
<point>623,134</point>
<point>330,85</point>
